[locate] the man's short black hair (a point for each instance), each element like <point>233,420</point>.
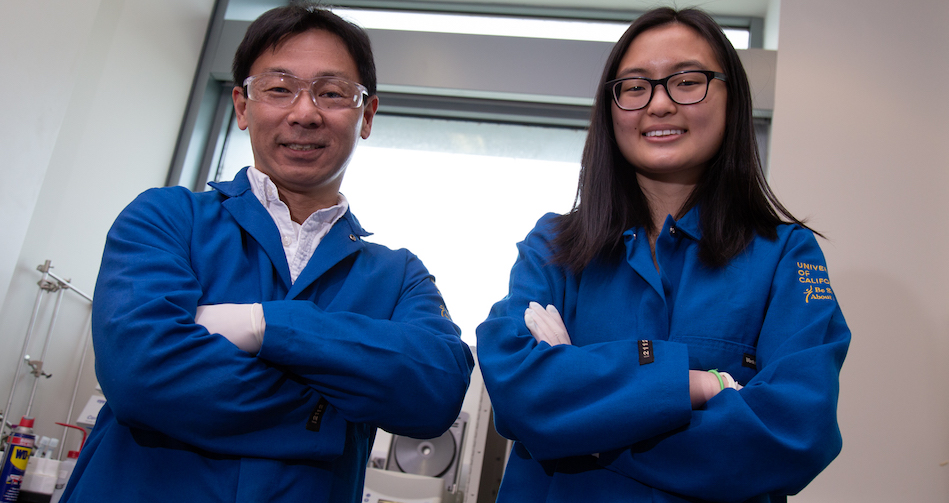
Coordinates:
<point>275,25</point>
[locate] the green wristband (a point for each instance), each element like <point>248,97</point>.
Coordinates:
<point>721,382</point>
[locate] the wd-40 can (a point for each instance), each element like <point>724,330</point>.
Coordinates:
<point>17,454</point>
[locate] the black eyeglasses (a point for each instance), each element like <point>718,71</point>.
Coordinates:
<point>685,88</point>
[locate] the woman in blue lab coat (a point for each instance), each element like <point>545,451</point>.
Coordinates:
<point>675,336</point>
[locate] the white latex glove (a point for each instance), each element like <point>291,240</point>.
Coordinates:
<point>242,324</point>
<point>704,385</point>
<point>546,324</point>
<point>730,381</point>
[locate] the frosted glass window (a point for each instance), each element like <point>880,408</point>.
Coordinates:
<point>458,194</point>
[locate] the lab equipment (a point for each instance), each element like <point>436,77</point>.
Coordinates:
<point>66,467</point>
<point>48,283</point>
<point>39,481</point>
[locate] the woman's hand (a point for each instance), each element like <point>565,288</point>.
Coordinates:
<point>704,385</point>
<point>546,324</point>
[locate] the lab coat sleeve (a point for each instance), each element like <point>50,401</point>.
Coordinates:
<point>167,377</point>
<point>777,433</point>
<point>405,370</point>
<point>571,400</point>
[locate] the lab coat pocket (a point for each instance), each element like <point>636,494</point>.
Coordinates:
<point>726,356</point>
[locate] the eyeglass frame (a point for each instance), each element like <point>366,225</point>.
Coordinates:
<point>653,83</point>
<point>363,92</point>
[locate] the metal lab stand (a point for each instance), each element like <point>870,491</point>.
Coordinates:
<point>49,283</point>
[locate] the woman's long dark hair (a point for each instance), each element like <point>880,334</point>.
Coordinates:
<point>736,202</point>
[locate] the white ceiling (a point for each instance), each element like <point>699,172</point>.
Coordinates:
<point>249,9</point>
<point>754,8</point>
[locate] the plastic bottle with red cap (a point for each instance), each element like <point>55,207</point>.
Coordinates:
<point>65,471</point>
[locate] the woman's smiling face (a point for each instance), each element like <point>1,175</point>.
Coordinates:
<point>666,141</point>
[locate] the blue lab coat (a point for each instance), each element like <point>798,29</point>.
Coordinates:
<point>361,340</point>
<point>609,418</point>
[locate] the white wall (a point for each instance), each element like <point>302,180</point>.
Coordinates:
<point>94,93</point>
<point>861,146</point>
<point>33,104</point>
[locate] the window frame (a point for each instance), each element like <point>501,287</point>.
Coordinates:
<point>478,93</point>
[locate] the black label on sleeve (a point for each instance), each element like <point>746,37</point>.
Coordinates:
<point>749,361</point>
<point>645,352</point>
<point>313,424</point>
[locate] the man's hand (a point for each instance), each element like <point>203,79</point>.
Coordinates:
<point>242,324</point>
<point>546,324</point>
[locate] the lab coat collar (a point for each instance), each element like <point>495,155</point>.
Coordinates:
<point>235,187</point>
<point>690,223</point>
<point>343,239</point>
<point>639,254</point>
<point>246,209</point>
<point>241,185</point>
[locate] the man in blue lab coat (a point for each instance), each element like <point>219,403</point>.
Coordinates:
<point>248,340</point>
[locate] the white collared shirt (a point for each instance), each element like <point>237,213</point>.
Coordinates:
<point>299,240</point>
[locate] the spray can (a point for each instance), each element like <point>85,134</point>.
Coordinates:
<point>16,456</point>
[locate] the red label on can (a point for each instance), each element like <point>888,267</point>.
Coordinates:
<point>24,441</point>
